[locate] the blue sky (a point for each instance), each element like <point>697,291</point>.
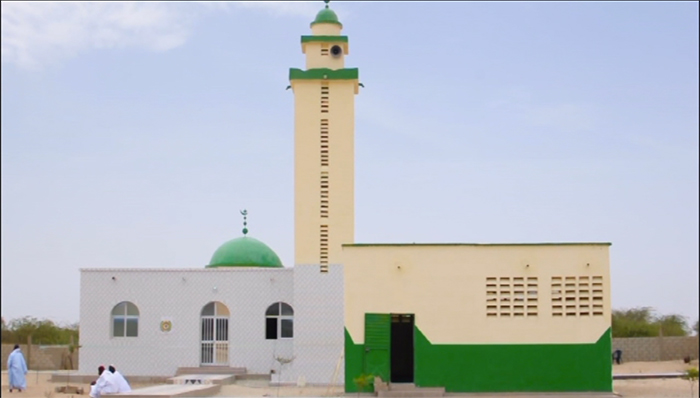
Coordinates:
<point>132,135</point>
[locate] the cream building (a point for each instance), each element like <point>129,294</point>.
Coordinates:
<point>465,317</point>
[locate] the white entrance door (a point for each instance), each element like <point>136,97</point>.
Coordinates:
<point>214,344</point>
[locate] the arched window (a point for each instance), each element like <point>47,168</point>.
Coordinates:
<point>125,320</point>
<point>279,321</point>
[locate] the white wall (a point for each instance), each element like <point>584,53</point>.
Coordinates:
<point>180,295</point>
<point>319,337</point>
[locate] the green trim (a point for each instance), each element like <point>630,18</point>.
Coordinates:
<point>515,367</point>
<point>324,74</point>
<point>478,244</point>
<point>354,360</point>
<point>501,367</point>
<point>329,39</point>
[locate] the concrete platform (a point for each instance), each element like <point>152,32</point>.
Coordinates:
<point>210,370</point>
<point>202,379</point>
<point>536,395</point>
<point>64,377</point>
<point>172,391</point>
<point>633,376</point>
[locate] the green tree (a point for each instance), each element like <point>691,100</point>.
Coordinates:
<point>696,327</point>
<point>635,322</point>
<point>672,325</point>
<point>44,331</point>
<point>642,322</point>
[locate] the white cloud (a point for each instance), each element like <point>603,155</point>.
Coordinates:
<point>305,9</point>
<point>35,34</point>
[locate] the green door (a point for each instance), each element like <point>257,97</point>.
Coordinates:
<point>377,345</point>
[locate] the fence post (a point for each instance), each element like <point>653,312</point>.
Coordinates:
<point>29,351</point>
<point>71,351</point>
<point>661,344</point>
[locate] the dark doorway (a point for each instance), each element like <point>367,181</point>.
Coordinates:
<point>402,348</point>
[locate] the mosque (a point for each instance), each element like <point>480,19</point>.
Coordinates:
<point>464,317</point>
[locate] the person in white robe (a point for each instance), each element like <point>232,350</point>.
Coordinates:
<point>105,384</point>
<point>120,381</point>
<point>17,370</point>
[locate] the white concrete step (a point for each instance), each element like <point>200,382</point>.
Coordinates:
<point>195,379</point>
<point>172,391</point>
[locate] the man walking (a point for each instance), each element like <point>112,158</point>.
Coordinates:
<point>17,370</point>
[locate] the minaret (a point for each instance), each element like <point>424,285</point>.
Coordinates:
<point>324,145</point>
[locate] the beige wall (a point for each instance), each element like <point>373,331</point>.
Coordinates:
<point>445,287</point>
<point>42,357</point>
<point>656,348</point>
<point>326,29</point>
<point>309,170</point>
<point>316,58</point>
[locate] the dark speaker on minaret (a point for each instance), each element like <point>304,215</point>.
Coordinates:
<point>336,51</point>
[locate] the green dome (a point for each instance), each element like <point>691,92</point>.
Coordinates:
<point>326,16</point>
<point>244,252</point>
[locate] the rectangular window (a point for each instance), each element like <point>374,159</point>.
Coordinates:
<point>118,326</point>
<point>287,328</point>
<point>222,330</point>
<point>132,327</point>
<point>271,328</point>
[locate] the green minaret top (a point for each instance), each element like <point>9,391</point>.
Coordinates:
<point>326,16</point>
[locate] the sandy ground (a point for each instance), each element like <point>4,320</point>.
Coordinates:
<point>39,386</point>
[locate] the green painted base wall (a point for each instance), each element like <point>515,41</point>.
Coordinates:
<point>501,368</point>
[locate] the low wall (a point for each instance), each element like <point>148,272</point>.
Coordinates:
<point>50,357</point>
<point>649,349</point>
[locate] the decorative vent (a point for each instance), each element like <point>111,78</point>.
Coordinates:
<point>324,49</point>
<point>324,142</point>
<point>511,296</point>
<point>325,93</point>
<point>577,296</point>
<point>324,248</point>
<point>324,194</point>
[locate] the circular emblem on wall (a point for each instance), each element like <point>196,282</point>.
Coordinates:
<point>166,326</point>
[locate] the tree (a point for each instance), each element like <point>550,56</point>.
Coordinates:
<point>672,325</point>
<point>696,328</point>
<point>692,376</point>
<point>42,331</point>
<point>635,322</point>
<point>642,322</point>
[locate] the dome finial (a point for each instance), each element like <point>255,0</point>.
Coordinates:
<point>245,221</point>
<point>326,1</point>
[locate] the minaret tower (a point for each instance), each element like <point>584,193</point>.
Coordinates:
<point>324,145</point>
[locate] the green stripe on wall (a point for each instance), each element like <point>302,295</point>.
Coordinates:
<point>503,367</point>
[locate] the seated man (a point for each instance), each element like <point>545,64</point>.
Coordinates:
<point>617,356</point>
<point>119,380</point>
<point>105,384</point>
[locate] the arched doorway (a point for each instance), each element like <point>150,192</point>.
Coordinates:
<point>214,322</point>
